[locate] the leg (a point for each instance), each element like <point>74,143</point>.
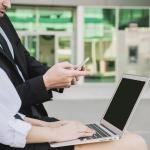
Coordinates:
<point>128,142</point>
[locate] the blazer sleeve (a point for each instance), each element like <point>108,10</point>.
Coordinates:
<point>33,92</point>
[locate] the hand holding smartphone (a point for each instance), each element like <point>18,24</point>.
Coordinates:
<point>74,81</point>
<point>83,63</point>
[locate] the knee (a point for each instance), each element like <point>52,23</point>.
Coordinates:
<point>138,143</point>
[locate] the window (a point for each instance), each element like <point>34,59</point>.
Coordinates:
<point>99,44</point>
<point>24,19</point>
<point>44,30</point>
<point>41,19</point>
<point>64,49</point>
<point>55,20</point>
<point>137,16</point>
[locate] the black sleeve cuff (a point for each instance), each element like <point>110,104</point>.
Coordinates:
<point>58,90</point>
<point>40,89</point>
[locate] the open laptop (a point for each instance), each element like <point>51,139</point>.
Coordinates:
<point>115,119</point>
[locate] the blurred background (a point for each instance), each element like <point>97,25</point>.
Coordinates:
<point>114,34</point>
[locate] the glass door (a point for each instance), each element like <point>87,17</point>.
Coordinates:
<point>47,49</point>
<point>32,45</point>
<point>30,42</point>
<point>64,48</point>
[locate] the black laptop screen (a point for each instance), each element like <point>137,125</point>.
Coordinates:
<point>123,102</point>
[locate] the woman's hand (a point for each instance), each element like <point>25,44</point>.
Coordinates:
<point>59,131</point>
<point>70,130</point>
<point>60,75</point>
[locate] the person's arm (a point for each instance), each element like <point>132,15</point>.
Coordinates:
<point>18,133</point>
<point>58,76</point>
<point>69,131</point>
<point>38,135</point>
<point>61,75</point>
<point>35,86</point>
<point>40,123</point>
<point>33,92</point>
<point>13,132</point>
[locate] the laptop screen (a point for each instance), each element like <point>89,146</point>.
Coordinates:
<point>123,102</point>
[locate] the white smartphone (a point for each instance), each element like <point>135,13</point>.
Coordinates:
<point>83,63</point>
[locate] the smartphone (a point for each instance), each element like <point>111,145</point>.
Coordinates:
<point>83,63</point>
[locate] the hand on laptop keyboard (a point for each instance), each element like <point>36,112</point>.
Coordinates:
<point>70,131</point>
<point>99,132</point>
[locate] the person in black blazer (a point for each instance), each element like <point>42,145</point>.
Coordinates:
<point>39,81</point>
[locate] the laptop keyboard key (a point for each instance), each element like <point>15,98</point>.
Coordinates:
<point>99,132</point>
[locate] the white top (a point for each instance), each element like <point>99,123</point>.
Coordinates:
<point>13,132</point>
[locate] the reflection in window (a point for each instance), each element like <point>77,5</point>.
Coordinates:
<point>100,44</point>
<point>23,18</point>
<point>41,19</point>
<point>44,19</point>
<point>46,43</point>
<point>55,20</point>
<point>64,50</point>
<point>138,16</point>
<point>32,45</point>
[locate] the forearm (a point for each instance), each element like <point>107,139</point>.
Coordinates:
<point>67,131</point>
<point>36,122</point>
<point>39,135</point>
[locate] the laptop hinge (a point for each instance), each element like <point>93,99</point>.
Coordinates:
<point>108,129</point>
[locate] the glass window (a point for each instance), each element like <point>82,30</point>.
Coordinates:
<point>64,49</point>
<point>32,45</point>
<point>55,20</point>
<point>137,16</point>
<point>100,44</point>
<point>41,19</point>
<point>46,48</point>
<point>23,18</point>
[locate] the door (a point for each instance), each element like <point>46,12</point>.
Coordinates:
<point>47,49</point>
<point>64,48</point>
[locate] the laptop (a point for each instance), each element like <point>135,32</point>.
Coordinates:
<point>117,114</point>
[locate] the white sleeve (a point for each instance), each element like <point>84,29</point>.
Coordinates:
<point>14,133</point>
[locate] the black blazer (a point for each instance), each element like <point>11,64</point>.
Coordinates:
<point>32,92</point>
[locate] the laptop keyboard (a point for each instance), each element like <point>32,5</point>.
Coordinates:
<point>99,132</point>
